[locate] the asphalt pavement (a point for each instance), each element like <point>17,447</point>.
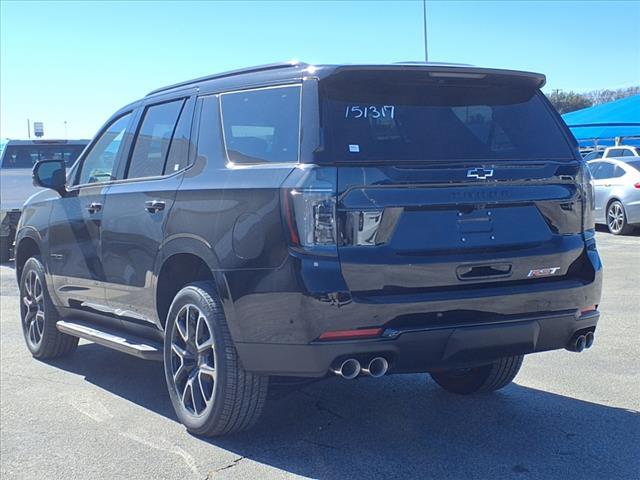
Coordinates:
<point>101,414</point>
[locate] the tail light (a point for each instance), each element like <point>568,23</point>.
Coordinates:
<point>309,204</point>
<point>636,185</point>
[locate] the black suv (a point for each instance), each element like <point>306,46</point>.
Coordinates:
<point>308,221</point>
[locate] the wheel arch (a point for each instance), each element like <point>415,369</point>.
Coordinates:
<point>183,260</point>
<point>28,244</point>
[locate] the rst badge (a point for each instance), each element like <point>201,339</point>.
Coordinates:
<point>543,272</point>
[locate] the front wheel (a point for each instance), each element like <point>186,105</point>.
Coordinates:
<point>39,316</point>
<point>485,378</point>
<point>210,391</point>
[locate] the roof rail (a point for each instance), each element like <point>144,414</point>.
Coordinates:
<point>258,68</point>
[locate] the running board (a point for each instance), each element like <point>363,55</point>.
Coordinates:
<point>112,338</point>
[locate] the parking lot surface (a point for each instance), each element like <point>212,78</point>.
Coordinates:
<point>103,414</point>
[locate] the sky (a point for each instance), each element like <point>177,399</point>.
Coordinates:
<point>80,61</point>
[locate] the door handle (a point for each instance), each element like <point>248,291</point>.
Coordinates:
<point>94,207</point>
<point>153,206</point>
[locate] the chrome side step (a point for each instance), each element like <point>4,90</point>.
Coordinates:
<point>112,338</point>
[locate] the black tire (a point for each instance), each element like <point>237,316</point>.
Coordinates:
<point>617,219</point>
<point>486,378</point>
<point>38,315</point>
<point>5,248</point>
<point>236,397</point>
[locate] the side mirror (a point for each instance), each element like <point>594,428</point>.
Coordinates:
<point>51,174</point>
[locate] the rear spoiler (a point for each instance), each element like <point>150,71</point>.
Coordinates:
<point>532,79</point>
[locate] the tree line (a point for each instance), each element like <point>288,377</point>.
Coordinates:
<point>568,101</point>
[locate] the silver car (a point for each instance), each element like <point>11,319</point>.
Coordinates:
<point>617,188</point>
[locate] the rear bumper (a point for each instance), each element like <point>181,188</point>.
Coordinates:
<point>426,349</point>
<point>276,331</point>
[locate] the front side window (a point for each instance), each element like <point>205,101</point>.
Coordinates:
<point>263,125</point>
<point>99,164</point>
<point>153,140</point>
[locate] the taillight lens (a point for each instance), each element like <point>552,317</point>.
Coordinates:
<point>309,204</point>
<point>636,185</point>
<point>312,215</point>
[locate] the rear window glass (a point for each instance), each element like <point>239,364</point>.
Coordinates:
<point>408,118</point>
<point>26,156</point>
<point>262,125</point>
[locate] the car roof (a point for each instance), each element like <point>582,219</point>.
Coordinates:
<point>295,71</point>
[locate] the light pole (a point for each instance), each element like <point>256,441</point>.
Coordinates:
<point>424,25</point>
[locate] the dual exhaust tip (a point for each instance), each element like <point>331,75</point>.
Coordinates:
<point>351,368</point>
<point>581,341</point>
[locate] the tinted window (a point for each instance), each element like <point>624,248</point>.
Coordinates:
<point>25,156</point>
<point>615,152</point>
<point>594,168</point>
<point>179,150</point>
<point>403,116</point>
<point>153,140</point>
<point>606,170</point>
<point>593,155</point>
<point>99,163</point>
<point>262,125</point>
<point>628,153</point>
<point>618,172</point>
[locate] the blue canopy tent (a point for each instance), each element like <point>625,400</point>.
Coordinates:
<point>600,125</point>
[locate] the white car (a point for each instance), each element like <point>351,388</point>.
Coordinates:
<point>617,193</point>
<point>624,151</point>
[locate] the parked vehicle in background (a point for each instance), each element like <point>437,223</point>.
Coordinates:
<point>617,193</point>
<point>593,155</point>
<point>621,151</point>
<point>310,221</point>
<point>16,185</point>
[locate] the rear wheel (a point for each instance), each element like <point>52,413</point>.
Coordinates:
<point>617,219</point>
<point>210,391</point>
<point>39,316</point>
<point>486,378</point>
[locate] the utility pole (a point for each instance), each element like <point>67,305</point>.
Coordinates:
<point>28,129</point>
<point>424,25</point>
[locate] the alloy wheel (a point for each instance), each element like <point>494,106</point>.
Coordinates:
<point>32,309</point>
<point>193,360</point>
<point>615,217</point>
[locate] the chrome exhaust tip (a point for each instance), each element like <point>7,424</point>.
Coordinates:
<point>589,338</point>
<point>377,367</point>
<point>349,369</point>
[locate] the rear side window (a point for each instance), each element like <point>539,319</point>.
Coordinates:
<point>262,125</point>
<point>606,170</point>
<point>154,139</point>
<point>628,153</point>
<point>403,116</point>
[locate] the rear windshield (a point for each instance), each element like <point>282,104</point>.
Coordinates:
<point>369,118</point>
<point>25,156</point>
